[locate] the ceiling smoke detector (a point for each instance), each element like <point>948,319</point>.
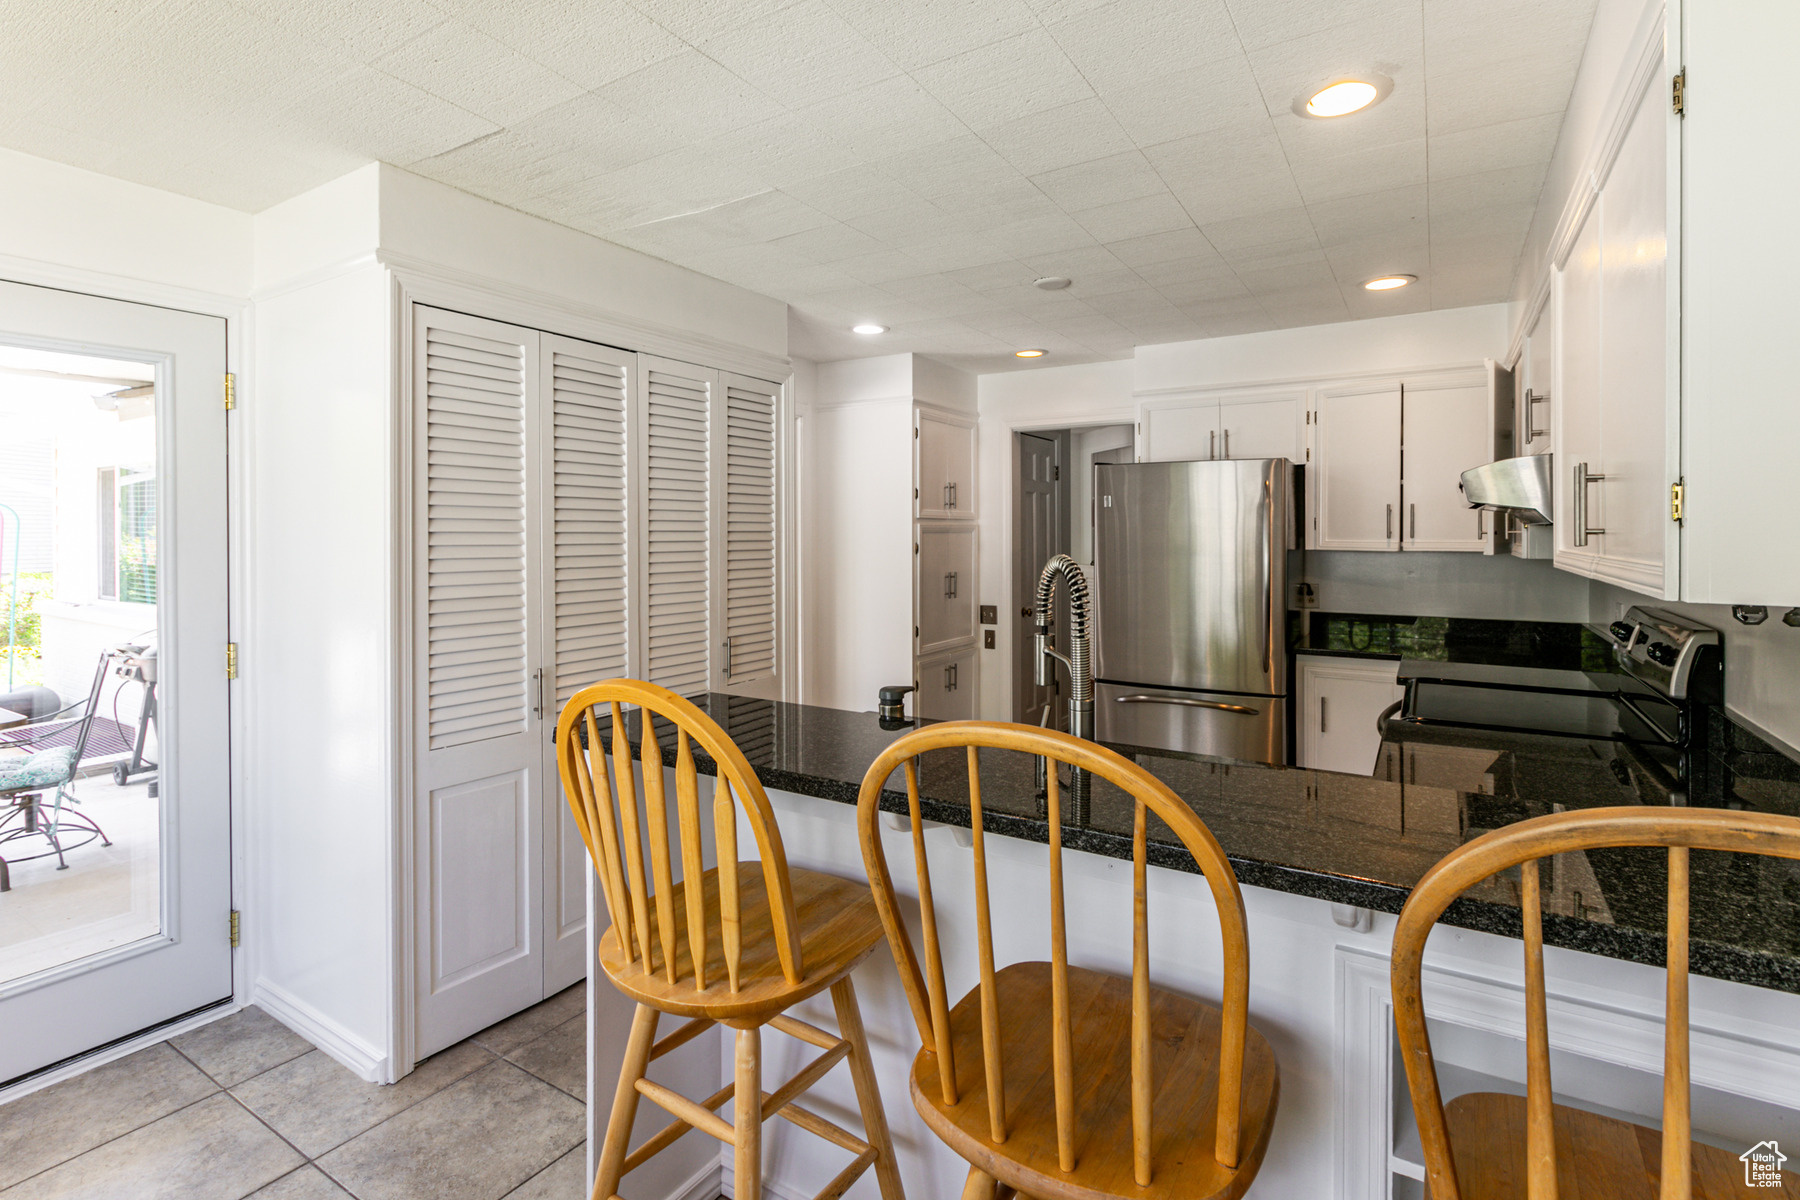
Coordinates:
<point>1052,283</point>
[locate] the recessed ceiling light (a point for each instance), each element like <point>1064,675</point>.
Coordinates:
<point>1028,353</point>
<point>1387,283</point>
<point>1052,283</point>
<point>1343,95</point>
<point>868,328</point>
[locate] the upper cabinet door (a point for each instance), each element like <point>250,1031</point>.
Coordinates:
<point>1355,480</point>
<point>946,464</point>
<point>746,549</point>
<point>1267,427</point>
<point>1180,430</point>
<point>1636,436</point>
<point>946,585</point>
<point>1532,411</point>
<point>675,514</point>
<point>1447,429</point>
<point>1575,415</point>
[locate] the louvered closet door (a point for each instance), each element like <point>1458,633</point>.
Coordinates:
<point>587,547</point>
<point>675,517</point>
<point>478,795</point>
<point>746,553</point>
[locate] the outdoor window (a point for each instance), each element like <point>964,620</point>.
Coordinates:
<point>127,542</point>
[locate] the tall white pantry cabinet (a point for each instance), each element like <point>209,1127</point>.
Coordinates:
<point>579,512</point>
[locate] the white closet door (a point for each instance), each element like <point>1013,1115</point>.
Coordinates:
<point>746,495</point>
<point>587,546</point>
<point>675,508</point>
<point>479,831</point>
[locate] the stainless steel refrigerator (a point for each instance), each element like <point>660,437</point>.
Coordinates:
<point>1190,606</point>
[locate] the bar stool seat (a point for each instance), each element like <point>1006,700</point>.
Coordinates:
<point>1186,1036</point>
<point>838,928</point>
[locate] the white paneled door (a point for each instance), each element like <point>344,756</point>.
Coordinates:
<point>580,513</point>
<point>1356,468</point>
<point>116,913</point>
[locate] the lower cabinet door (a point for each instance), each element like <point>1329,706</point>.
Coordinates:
<point>948,687</point>
<point>1340,700</point>
<point>947,585</point>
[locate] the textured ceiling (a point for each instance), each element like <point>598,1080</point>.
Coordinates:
<point>910,162</point>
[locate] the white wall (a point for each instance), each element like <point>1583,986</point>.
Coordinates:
<point>1762,662</point>
<point>62,217</point>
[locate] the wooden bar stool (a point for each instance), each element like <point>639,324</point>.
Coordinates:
<point>736,945</point>
<point>1489,1146</point>
<point>1062,1083</point>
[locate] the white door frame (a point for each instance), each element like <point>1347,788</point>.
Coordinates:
<point>71,288</point>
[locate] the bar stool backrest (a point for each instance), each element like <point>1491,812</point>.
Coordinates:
<point>926,991</point>
<point>643,904</point>
<point>1522,845</point>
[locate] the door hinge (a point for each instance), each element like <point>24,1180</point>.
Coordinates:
<point>915,493</point>
<point>1055,474</point>
<point>1678,92</point>
<point>231,660</point>
<point>230,391</point>
<point>1677,500</point>
<point>236,929</point>
<point>915,432</point>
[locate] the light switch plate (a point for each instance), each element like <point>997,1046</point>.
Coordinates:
<point>990,614</point>
<point>987,640</point>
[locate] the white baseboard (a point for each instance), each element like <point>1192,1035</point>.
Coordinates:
<point>88,1062</point>
<point>365,1061</point>
<point>705,1185</point>
<point>771,1187</point>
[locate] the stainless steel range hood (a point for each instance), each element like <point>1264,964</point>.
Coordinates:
<point>1519,486</point>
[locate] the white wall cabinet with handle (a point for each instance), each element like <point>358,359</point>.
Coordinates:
<point>1354,482</point>
<point>1339,701</point>
<point>1260,423</point>
<point>945,469</point>
<point>946,685</point>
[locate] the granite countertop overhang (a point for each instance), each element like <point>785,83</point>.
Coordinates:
<point>1344,839</point>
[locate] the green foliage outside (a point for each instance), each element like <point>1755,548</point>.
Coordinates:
<point>25,654</point>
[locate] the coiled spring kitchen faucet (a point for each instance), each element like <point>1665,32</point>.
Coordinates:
<point>1079,660</point>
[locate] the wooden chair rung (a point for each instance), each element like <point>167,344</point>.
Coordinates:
<point>808,1075</point>
<point>849,1175</point>
<point>813,1123</point>
<point>671,1133</point>
<point>681,1037</point>
<point>695,1115</point>
<point>796,1028</point>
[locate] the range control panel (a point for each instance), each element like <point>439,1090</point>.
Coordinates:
<point>1664,650</point>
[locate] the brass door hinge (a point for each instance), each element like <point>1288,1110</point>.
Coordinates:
<point>230,391</point>
<point>1677,500</point>
<point>236,929</point>
<point>231,660</point>
<point>1678,92</point>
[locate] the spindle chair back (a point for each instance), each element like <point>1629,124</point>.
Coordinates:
<point>783,935</point>
<point>1482,1143</point>
<point>1202,1071</point>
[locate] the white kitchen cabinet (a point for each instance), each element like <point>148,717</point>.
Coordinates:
<point>945,469</point>
<point>1535,398</point>
<point>1354,484</point>
<point>1339,700</point>
<point>1225,425</point>
<point>1450,423</point>
<point>946,685</point>
<point>945,585</point>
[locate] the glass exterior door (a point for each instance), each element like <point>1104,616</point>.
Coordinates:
<point>114,802</point>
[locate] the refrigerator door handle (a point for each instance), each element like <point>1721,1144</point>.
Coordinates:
<point>1185,702</point>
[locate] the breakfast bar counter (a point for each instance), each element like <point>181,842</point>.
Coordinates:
<point>1324,859</point>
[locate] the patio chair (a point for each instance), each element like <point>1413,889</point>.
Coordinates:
<point>39,759</point>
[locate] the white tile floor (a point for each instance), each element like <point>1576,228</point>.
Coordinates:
<point>109,895</point>
<point>246,1108</point>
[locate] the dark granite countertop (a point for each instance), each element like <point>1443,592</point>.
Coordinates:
<point>1557,645</point>
<point>1348,839</point>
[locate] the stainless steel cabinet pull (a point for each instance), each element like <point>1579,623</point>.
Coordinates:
<point>949,495</point>
<point>1531,429</point>
<point>949,585</point>
<point>1390,523</point>
<point>727,646</point>
<point>950,677</point>
<point>1212,444</point>
<point>537,689</point>
<point>1412,516</point>
<point>1321,714</point>
<point>1228,443</point>
<point>1185,702</point>
<point>1580,499</point>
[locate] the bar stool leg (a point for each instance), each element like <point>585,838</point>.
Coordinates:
<point>625,1101</point>
<point>868,1095</point>
<point>980,1185</point>
<point>747,1107</point>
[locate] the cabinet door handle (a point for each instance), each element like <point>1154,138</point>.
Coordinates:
<point>537,687</point>
<point>1228,443</point>
<point>1321,714</point>
<point>1480,524</point>
<point>1390,523</point>
<point>950,677</point>
<point>1212,444</point>
<point>1531,429</point>
<point>727,648</point>
<point>1412,515</point>
<point>949,585</point>
<point>1582,479</point>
